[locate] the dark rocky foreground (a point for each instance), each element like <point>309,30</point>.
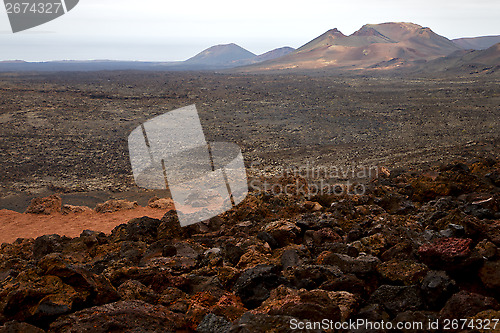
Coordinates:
<point>417,247</point>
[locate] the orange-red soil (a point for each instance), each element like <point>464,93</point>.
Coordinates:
<point>15,225</point>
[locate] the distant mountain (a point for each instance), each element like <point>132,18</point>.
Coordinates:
<point>273,54</point>
<point>477,43</point>
<point>467,61</point>
<point>372,44</point>
<point>214,58</point>
<point>12,62</point>
<point>226,55</point>
<point>385,46</point>
<point>231,55</point>
<point>92,65</point>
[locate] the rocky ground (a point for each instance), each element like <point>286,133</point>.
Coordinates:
<point>416,247</point>
<point>67,133</point>
<point>420,244</point>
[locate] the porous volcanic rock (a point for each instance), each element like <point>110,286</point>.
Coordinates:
<point>47,205</point>
<point>115,205</point>
<point>266,262</point>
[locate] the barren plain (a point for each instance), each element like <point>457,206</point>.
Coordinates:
<point>67,132</point>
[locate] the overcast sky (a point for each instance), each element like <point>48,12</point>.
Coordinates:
<point>160,30</point>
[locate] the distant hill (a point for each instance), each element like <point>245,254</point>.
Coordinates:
<point>273,54</point>
<point>12,62</point>
<point>372,44</point>
<point>92,65</point>
<point>472,61</point>
<point>219,56</point>
<point>477,43</point>
<point>230,56</point>
<point>214,58</point>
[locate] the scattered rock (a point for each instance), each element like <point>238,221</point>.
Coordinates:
<point>122,316</point>
<point>483,229</point>
<point>401,251</point>
<point>311,276</point>
<point>37,298</point>
<point>402,272</point>
<point>314,305</point>
<point>139,229</point>
<point>318,238</point>
<point>284,232</point>
<point>490,275</point>
<point>437,287</point>
<point>484,316</point>
<point>397,299</point>
<point>268,261</point>
<point>373,313</point>
<point>269,239</point>
<point>47,244</point>
<point>229,306</point>
<point>374,244</point>
<point>170,228</point>
<point>290,258</point>
<point>134,290</point>
<point>445,252</point>
<point>17,327</point>
<point>212,323</point>
<point>348,282</point>
<point>347,302</point>
<point>161,203</point>
<point>313,206</point>
<point>255,284</point>
<point>453,230</point>
<point>359,265</point>
<point>252,258</point>
<point>465,304</point>
<point>232,253</point>
<point>69,209</point>
<point>227,275</point>
<point>115,206</point>
<point>343,208</point>
<point>486,249</point>
<point>171,295</point>
<point>47,205</point>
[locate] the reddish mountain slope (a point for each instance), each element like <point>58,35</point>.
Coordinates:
<point>372,44</point>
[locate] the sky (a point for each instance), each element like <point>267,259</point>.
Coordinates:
<point>164,30</point>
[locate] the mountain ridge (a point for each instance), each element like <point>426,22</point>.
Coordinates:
<point>477,43</point>
<point>487,60</point>
<point>371,44</point>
